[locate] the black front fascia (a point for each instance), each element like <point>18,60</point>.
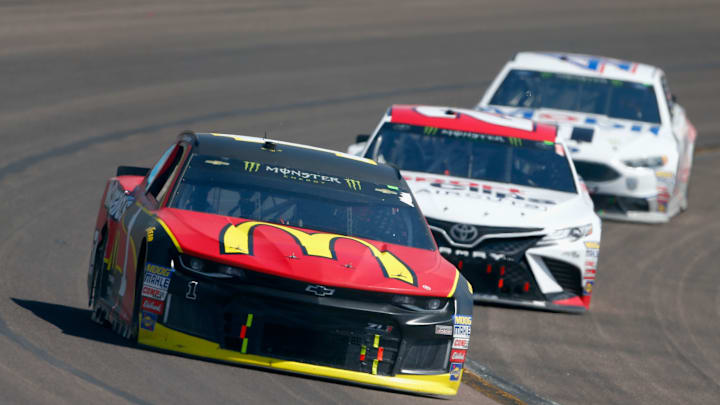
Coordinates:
<point>276,317</point>
<point>497,265</point>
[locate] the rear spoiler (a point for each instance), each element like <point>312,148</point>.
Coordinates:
<point>132,171</point>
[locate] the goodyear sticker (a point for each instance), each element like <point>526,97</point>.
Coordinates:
<point>148,320</point>
<point>462,319</point>
<point>455,371</point>
<point>589,287</point>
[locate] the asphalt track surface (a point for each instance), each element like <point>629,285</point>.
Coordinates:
<point>88,85</point>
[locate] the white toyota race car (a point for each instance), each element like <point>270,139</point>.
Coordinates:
<point>631,142</point>
<point>502,199</point>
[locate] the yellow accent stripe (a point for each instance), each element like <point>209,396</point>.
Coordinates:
<point>470,288</point>
<point>358,158</point>
<point>376,342</point>
<point>455,283</point>
<point>248,323</point>
<point>170,234</point>
<point>374,367</point>
<point>167,339</point>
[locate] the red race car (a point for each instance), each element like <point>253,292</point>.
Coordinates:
<point>280,255</point>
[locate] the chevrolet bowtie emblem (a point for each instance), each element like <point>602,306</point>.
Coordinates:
<point>320,290</point>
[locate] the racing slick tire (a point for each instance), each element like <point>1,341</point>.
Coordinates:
<point>97,313</point>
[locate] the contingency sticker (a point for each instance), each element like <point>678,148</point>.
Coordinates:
<point>455,371</point>
<point>148,321</point>
<point>461,343</point>
<point>461,331</point>
<point>462,319</point>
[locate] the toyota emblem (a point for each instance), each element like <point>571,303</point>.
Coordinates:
<point>463,233</point>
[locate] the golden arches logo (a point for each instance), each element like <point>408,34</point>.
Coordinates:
<point>238,239</point>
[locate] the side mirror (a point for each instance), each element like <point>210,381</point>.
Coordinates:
<point>362,138</point>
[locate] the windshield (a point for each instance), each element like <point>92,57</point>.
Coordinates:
<point>471,155</point>
<point>614,98</point>
<point>288,196</point>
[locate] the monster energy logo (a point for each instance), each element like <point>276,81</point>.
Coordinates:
<point>515,141</point>
<point>430,130</point>
<point>251,166</point>
<point>353,184</point>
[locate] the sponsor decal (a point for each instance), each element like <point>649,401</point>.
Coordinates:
<point>385,191</point>
<point>603,123</point>
<point>592,245</point>
<point>458,356</point>
<point>320,290</point>
<point>430,131</point>
<point>191,293</point>
<point>594,63</point>
<point>238,239</point>
<point>153,305</point>
<point>156,281</point>
<point>461,343</point>
<point>406,198</point>
<point>117,201</point>
<point>515,141</point>
<point>455,371</point>
<point>251,167</point>
<point>217,163</point>
<point>470,189</point>
<point>353,184</point>
<point>462,320</point>
<point>461,331</point>
<point>300,175</point>
<point>589,287</point>
<point>379,327</point>
<point>443,330</point>
<point>159,270</point>
<point>154,293</point>
<point>148,320</point>
<point>150,233</point>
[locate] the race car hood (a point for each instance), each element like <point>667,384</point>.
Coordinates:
<point>610,136</point>
<point>480,202</point>
<point>311,256</point>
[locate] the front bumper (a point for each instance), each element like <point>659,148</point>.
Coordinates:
<point>167,339</point>
<point>272,322</point>
<point>627,193</point>
<point>516,271</point>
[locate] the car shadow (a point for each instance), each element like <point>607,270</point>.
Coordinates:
<point>71,321</point>
<point>76,322</point>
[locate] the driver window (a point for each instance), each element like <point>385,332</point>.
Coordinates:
<point>158,179</point>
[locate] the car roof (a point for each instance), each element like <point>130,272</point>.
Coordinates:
<point>292,156</point>
<point>461,119</point>
<point>586,65</point>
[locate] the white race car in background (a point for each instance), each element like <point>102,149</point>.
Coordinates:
<point>502,199</point>
<point>630,140</point>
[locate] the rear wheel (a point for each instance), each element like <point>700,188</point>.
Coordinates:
<point>97,290</point>
<point>132,333</point>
